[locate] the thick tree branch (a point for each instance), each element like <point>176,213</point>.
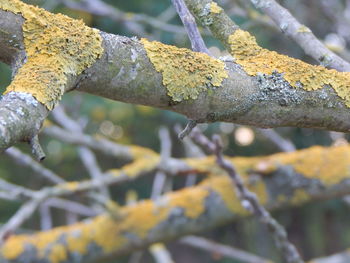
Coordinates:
<point>265,101</point>
<point>258,87</point>
<point>278,180</point>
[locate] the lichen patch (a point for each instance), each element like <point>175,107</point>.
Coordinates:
<point>254,59</point>
<point>214,8</point>
<point>185,73</point>
<point>314,163</point>
<point>56,47</point>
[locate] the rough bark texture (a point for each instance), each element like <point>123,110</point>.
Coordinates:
<point>268,93</point>
<point>21,117</point>
<point>279,180</point>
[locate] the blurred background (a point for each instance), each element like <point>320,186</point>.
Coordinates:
<point>317,229</point>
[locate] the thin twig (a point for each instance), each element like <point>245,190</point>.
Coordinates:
<point>249,200</point>
<point>161,179</point>
<point>132,21</point>
<point>99,144</point>
<point>20,216</point>
<point>282,143</point>
<point>160,184</point>
<point>37,150</point>
<point>301,34</point>
<point>189,127</point>
<point>191,150</point>
<point>46,222</point>
<point>86,155</point>
<point>160,253</point>
<point>190,25</point>
<point>224,250</point>
<point>27,161</point>
<point>16,192</point>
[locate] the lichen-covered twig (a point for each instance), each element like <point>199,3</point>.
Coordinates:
<point>211,202</point>
<point>301,34</point>
<point>249,199</point>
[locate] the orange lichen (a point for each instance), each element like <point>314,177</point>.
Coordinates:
<point>254,59</point>
<point>56,47</point>
<point>185,73</point>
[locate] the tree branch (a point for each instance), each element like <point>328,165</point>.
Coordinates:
<point>302,35</point>
<point>258,87</point>
<point>278,180</point>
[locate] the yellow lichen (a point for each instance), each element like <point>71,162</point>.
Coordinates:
<point>303,29</point>
<point>185,73</point>
<point>214,8</point>
<point>300,196</point>
<point>281,199</point>
<point>184,199</point>
<point>254,60</point>
<point>329,165</point>
<point>111,234</point>
<point>140,152</point>
<point>202,165</point>
<point>57,254</point>
<point>144,160</point>
<point>13,247</point>
<point>71,186</point>
<point>259,188</point>
<point>143,165</point>
<point>56,47</point>
<point>223,186</point>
